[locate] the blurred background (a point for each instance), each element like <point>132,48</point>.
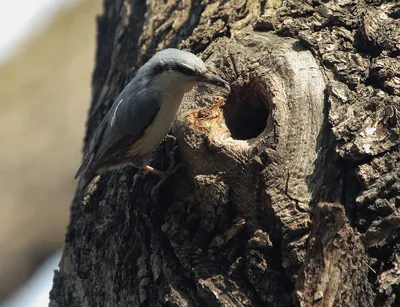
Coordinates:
<point>47,52</point>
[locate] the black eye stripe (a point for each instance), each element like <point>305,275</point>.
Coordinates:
<point>179,68</point>
<point>185,70</point>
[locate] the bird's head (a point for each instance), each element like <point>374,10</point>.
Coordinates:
<point>174,68</point>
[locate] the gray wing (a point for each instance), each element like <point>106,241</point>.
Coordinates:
<point>129,117</point>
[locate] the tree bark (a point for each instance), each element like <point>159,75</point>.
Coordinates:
<point>290,193</point>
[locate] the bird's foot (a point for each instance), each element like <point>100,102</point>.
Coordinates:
<point>172,169</point>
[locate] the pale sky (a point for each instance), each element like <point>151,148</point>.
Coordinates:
<point>21,19</point>
<point>35,292</point>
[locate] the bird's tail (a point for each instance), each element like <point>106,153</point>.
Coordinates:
<point>86,164</point>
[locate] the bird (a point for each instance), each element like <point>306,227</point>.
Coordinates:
<point>142,114</point>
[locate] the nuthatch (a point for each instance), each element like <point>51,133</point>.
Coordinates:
<point>143,113</point>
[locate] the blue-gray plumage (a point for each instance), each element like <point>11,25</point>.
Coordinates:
<point>142,114</point>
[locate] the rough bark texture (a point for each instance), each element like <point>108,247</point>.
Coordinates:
<point>290,194</point>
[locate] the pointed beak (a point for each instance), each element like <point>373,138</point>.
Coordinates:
<point>212,79</point>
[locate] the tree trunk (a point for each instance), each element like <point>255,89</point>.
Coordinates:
<point>290,193</point>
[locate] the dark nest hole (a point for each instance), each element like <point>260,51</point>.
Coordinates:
<point>247,109</point>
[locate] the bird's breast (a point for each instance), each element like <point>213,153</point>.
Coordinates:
<point>160,126</point>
